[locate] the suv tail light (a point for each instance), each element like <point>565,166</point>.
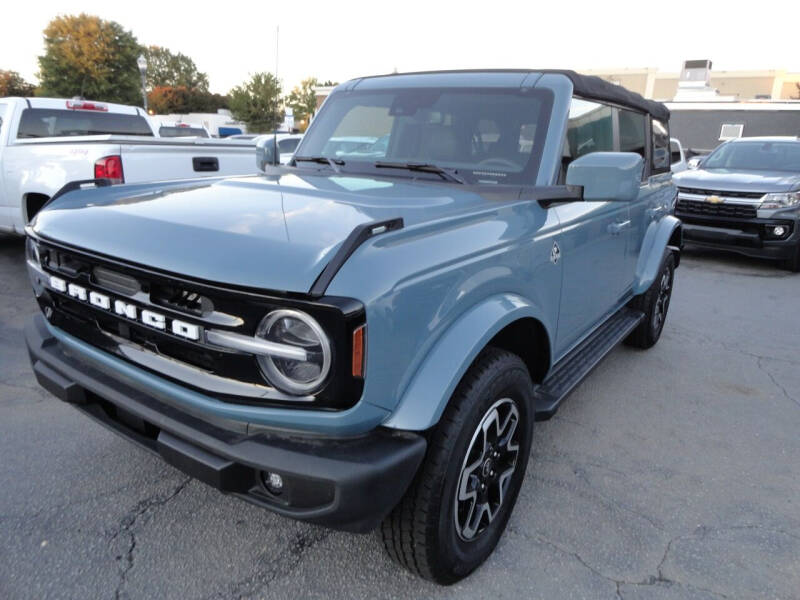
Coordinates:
<point>109,167</point>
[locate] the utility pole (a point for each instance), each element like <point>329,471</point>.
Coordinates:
<point>142,62</point>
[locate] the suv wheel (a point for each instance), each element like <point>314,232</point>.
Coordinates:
<point>654,303</point>
<point>451,518</point>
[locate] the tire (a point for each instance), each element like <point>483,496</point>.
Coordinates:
<point>793,263</point>
<point>654,303</point>
<point>430,532</point>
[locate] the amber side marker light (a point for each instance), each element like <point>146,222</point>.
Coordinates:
<point>358,351</point>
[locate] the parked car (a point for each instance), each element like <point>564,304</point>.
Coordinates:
<point>337,146</point>
<point>46,143</point>
<point>677,156</point>
<point>745,197</point>
<point>367,343</point>
<point>171,129</point>
<point>287,143</point>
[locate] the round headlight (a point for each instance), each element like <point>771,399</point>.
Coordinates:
<point>295,328</point>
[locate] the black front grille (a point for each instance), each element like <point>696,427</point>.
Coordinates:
<point>708,209</point>
<point>197,303</point>
<point>701,192</point>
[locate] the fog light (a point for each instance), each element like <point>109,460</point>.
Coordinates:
<point>273,482</point>
<point>778,231</point>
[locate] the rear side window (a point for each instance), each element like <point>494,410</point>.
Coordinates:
<point>661,155</point>
<point>632,134</point>
<point>46,122</point>
<point>2,113</point>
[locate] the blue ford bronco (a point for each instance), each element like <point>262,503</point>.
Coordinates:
<point>365,337</point>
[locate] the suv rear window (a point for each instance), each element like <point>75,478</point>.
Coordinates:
<point>47,122</point>
<point>166,131</point>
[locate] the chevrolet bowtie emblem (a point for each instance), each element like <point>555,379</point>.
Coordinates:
<point>713,199</point>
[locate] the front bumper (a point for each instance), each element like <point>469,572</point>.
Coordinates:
<point>742,236</point>
<point>343,483</point>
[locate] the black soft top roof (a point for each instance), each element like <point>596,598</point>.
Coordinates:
<point>590,87</point>
<point>595,88</point>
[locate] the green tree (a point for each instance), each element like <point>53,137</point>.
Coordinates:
<point>88,56</point>
<point>257,103</point>
<point>165,69</point>
<point>180,99</point>
<point>13,84</point>
<point>303,99</point>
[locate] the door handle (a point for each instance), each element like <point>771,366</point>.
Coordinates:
<point>617,227</point>
<point>205,163</point>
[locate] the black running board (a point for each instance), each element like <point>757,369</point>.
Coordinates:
<point>571,370</point>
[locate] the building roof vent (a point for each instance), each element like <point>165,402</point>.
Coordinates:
<point>696,74</point>
<point>731,131</point>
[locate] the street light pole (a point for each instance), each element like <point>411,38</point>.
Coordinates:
<point>142,62</point>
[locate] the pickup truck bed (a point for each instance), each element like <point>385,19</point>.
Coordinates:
<point>33,168</point>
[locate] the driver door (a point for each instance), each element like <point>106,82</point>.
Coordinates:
<point>594,235</point>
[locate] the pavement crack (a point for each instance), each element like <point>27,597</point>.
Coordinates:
<point>775,381</point>
<point>652,580</point>
<point>288,559</point>
<point>126,525</point>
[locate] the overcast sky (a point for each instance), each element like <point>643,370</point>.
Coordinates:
<point>339,40</point>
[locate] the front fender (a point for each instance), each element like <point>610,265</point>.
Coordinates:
<point>430,389</point>
<point>656,239</point>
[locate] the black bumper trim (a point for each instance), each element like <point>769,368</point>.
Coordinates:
<point>349,484</point>
<point>739,241</point>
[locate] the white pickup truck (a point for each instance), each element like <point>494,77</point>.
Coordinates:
<point>46,143</point>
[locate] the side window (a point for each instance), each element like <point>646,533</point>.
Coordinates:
<point>632,135</point>
<point>590,129</point>
<point>2,114</point>
<point>660,155</point>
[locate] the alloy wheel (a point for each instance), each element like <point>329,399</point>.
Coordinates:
<point>486,472</point>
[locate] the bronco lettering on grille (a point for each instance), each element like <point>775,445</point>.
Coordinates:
<point>125,309</point>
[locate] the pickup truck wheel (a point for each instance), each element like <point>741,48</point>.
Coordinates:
<point>654,303</point>
<point>457,508</point>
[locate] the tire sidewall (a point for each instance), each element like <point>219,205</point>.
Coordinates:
<point>460,557</point>
<point>667,264</point>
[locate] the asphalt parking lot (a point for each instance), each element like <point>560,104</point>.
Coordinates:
<point>671,473</point>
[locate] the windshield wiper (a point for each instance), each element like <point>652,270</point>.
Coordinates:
<point>334,163</point>
<point>445,174</point>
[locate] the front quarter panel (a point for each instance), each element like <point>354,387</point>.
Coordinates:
<point>420,284</point>
<point>426,398</point>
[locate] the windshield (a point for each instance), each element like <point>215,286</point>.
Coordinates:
<point>483,135</point>
<point>165,131</point>
<point>46,122</point>
<point>756,156</point>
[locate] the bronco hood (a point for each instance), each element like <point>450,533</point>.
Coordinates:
<point>275,233</point>
<point>729,180</point>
